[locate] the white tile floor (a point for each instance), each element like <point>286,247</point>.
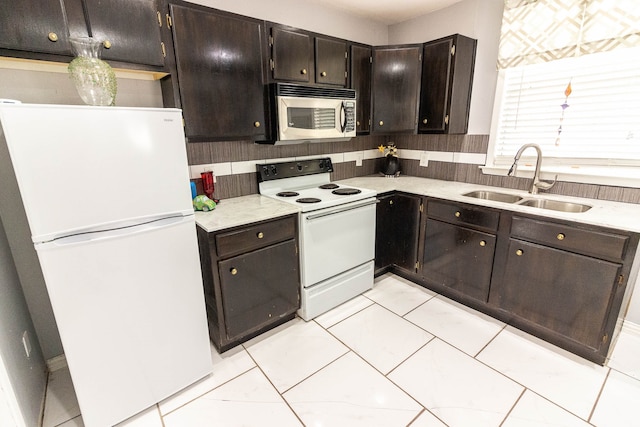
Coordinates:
<point>397,356</point>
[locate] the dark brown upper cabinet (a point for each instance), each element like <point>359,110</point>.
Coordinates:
<point>304,57</point>
<point>291,54</point>
<point>361,81</point>
<point>130,30</point>
<point>447,78</point>
<point>220,74</point>
<point>41,29</point>
<point>331,62</point>
<point>396,88</point>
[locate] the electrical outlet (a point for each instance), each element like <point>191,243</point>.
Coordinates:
<point>424,159</point>
<point>26,343</point>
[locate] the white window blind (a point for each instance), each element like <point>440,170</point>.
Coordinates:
<point>600,123</point>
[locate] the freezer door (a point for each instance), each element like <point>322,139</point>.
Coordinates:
<point>81,168</point>
<point>130,309</point>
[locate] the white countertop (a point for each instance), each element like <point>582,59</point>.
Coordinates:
<point>623,216</point>
<point>241,211</point>
<point>253,208</point>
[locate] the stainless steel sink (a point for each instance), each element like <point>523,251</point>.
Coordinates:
<point>492,195</point>
<point>555,205</point>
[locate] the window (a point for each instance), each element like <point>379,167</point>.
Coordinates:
<point>581,107</point>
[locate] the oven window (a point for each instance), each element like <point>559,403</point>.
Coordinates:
<point>311,118</point>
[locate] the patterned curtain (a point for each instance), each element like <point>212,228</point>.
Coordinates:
<point>535,31</point>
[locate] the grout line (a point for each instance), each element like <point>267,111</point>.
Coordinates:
<point>513,407</point>
<point>595,404</point>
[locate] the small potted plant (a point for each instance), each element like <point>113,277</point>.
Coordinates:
<point>391,167</point>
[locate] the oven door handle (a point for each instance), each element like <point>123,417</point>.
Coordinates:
<point>337,211</point>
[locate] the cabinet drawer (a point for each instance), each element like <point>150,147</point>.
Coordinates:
<point>464,214</point>
<point>587,242</point>
<point>255,236</point>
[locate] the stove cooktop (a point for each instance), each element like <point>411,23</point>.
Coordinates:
<point>306,184</point>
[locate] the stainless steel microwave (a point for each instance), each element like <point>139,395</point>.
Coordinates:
<point>310,113</point>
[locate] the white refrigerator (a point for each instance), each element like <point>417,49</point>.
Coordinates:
<point>107,198</point>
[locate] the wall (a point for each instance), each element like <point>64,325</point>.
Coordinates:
<point>24,378</point>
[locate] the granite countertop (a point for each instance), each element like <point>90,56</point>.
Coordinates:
<point>622,216</point>
<point>253,208</point>
<point>241,211</point>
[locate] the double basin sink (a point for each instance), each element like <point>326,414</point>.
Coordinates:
<point>540,203</point>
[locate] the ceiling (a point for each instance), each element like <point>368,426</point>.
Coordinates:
<point>387,11</point>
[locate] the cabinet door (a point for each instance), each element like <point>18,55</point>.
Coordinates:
<point>331,62</point>
<point>567,293</point>
<point>458,257</point>
<point>259,287</point>
<point>396,89</point>
<point>436,73</point>
<point>220,74</point>
<point>397,229</point>
<point>130,29</point>
<point>361,82</point>
<point>292,55</point>
<point>447,78</point>
<point>34,25</point>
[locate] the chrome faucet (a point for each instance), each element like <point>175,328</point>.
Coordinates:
<point>536,183</point>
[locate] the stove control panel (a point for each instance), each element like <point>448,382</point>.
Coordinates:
<point>271,171</point>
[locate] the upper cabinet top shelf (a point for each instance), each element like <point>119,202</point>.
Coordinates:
<point>36,29</point>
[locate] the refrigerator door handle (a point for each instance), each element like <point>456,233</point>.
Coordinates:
<point>121,231</point>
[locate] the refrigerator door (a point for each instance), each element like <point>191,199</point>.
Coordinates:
<point>85,168</point>
<point>131,312</point>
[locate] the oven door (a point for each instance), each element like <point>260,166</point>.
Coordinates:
<point>335,240</point>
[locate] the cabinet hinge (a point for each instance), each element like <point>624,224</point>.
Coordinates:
<point>421,207</point>
<point>419,57</point>
<point>169,21</point>
<point>159,18</point>
<point>620,279</point>
<point>346,56</point>
<point>453,50</point>
<point>371,60</point>
<point>446,119</point>
<point>270,40</point>
<point>345,75</point>
<point>164,50</point>
<point>605,338</point>
<point>272,65</point>
<point>417,265</point>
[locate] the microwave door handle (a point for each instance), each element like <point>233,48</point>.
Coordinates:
<point>343,118</point>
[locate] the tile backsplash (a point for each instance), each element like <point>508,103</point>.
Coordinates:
<point>446,157</point>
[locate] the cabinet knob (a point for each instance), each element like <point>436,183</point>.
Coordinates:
<point>260,235</point>
<point>519,252</point>
<point>234,271</point>
<point>303,71</point>
<point>323,74</point>
<point>425,121</point>
<point>53,37</point>
<point>483,243</point>
<point>256,124</point>
<point>106,44</point>
<point>390,202</point>
<point>381,123</point>
<point>458,214</point>
<point>358,122</point>
<point>560,236</point>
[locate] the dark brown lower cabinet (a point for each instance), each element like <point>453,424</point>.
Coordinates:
<point>397,231</point>
<point>251,279</point>
<point>459,258</point>
<point>567,293</point>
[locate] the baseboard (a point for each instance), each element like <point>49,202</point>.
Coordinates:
<point>631,328</point>
<point>56,363</point>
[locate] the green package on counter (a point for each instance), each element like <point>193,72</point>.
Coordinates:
<point>203,203</point>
